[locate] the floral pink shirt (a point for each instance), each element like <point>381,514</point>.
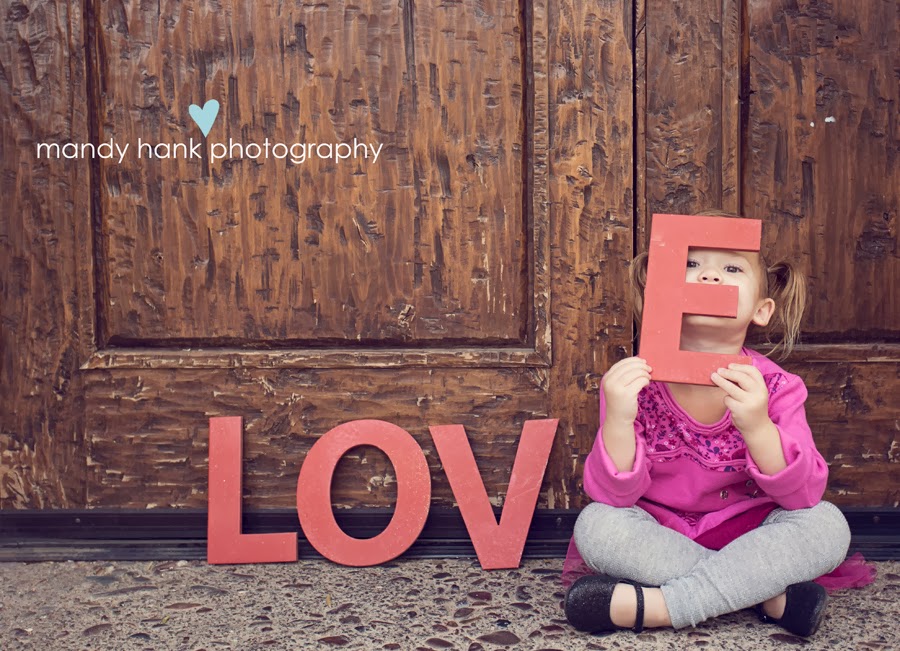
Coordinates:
<point>692,477</point>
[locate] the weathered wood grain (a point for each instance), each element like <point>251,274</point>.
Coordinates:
<point>45,249</point>
<point>426,245</point>
<point>867,353</point>
<point>822,164</point>
<point>855,416</point>
<point>154,426</point>
<point>332,357</point>
<point>161,432</point>
<point>149,432</point>
<point>821,168</point>
<point>526,144</point>
<point>592,220</point>
<point>688,147</point>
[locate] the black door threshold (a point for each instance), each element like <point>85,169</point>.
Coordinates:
<point>180,534</point>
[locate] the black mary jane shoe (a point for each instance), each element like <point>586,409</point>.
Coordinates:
<point>804,609</point>
<point>588,601</point>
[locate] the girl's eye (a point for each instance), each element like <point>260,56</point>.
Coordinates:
<point>733,269</point>
<point>692,263</point>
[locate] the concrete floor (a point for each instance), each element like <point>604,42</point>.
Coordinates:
<point>407,605</point>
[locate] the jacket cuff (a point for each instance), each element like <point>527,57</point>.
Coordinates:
<point>796,486</point>
<point>606,483</point>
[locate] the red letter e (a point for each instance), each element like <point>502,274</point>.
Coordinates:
<point>667,296</point>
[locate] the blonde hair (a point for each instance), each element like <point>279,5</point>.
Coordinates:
<point>782,281</point>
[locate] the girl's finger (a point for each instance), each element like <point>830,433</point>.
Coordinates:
<point>632,375</point>
<point>625,366</point>
<point>635,383</point>
<point>730,387</point>
<point>742,379</point>
<point>639,383</point>
<point>746,368</point>
<point>630,361</point>
<point>636,369</point>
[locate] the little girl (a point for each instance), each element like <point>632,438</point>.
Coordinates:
<point>707,499</point>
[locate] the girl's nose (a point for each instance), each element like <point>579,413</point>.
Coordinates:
<point>710,276</point>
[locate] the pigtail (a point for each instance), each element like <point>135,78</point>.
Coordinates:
<point>787,287</point>
<point>637,273</point>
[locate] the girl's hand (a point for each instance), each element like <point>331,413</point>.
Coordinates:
<point>621,386</point>
<point>746,396</point>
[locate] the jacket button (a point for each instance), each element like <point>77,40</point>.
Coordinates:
<point>749,483</point>
<point>724,495</point>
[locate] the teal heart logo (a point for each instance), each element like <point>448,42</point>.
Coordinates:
<point>204,117</point>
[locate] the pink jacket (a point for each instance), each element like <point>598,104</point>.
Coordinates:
<point>692,477</point>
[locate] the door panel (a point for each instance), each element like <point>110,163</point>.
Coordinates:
<point>46,309</point>
<point>425,245</point>
<point>823,161</point>
<point>687,87</point>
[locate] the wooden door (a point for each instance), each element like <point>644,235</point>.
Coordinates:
<point>474,273</point>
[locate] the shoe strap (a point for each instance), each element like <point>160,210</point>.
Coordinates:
<point>763,617</point>
<point>639,615</point>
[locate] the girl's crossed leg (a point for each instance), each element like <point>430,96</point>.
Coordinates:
<point>697,583</point>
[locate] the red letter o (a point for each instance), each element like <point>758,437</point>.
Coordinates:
<point>314,493</point>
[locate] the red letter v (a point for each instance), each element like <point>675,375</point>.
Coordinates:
<point>498,546</point>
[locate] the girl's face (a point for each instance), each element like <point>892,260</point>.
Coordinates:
<point>739,269</point>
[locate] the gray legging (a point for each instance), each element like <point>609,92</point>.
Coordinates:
<point>699,583</point>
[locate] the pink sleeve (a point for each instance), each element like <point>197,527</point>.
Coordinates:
<point>802,483</point>
<point>602,480</point>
